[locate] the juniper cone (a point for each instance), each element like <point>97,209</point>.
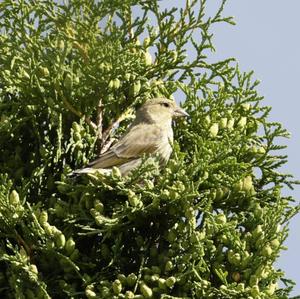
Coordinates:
<point>150,133</point>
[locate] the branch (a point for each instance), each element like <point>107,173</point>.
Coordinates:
<point>79,114</point>
<point>23,243</point>
<point>82,50</point>
<point>72,109</point>
<point>139,274</point>
<point>99,119</point>
<point>114,124</point>
<point>106,145</point>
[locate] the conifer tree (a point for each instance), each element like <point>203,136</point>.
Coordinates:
<point>210,224</point>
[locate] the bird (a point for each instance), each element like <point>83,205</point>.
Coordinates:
<point>150,134</point>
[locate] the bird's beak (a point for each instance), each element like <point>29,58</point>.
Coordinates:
<point>179,112</point>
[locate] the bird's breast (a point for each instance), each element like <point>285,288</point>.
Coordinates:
<point>165,147</point>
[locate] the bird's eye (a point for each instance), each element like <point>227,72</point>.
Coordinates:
<point>167,105</point>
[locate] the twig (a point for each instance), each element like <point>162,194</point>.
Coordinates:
<point>139,274</point>
<point>23,243</point>
<point>79,114</point>
<point>106,145</point>
<point>82,50</point>
<point>72,109</point>
<point>108,131</point>
<point>99,118</point>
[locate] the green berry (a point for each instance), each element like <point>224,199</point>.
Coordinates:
<point>14,198</point>
<point>117,286</point>
<point>147,58</point>
<point>60,240</point>
<point>145,290</point>
<point>214,129</point>
<point>170,281</point>
<point>131,279</point>
<point>68,82</point>
<point>70,245</point>
<point>169,266</point>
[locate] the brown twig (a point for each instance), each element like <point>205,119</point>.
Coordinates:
<point>106,142</point>
<point>72,109</point>
<point>23,243</point>
<point>99,120</point>
<point>107,132</point>
<point>107,145</point>
<point>82,50</point>
<point>79,114</point>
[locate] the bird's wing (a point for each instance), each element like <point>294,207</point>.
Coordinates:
<point>140,139</point>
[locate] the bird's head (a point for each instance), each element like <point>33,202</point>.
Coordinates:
<point>160,110</point>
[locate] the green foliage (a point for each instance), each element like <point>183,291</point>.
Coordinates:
<point>209,225</point>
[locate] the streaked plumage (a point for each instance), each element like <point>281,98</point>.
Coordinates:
<point>150,133</point>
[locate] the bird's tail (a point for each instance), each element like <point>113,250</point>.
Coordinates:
<point>89,170</point>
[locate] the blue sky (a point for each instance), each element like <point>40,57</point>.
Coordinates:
<point>266,39</point>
